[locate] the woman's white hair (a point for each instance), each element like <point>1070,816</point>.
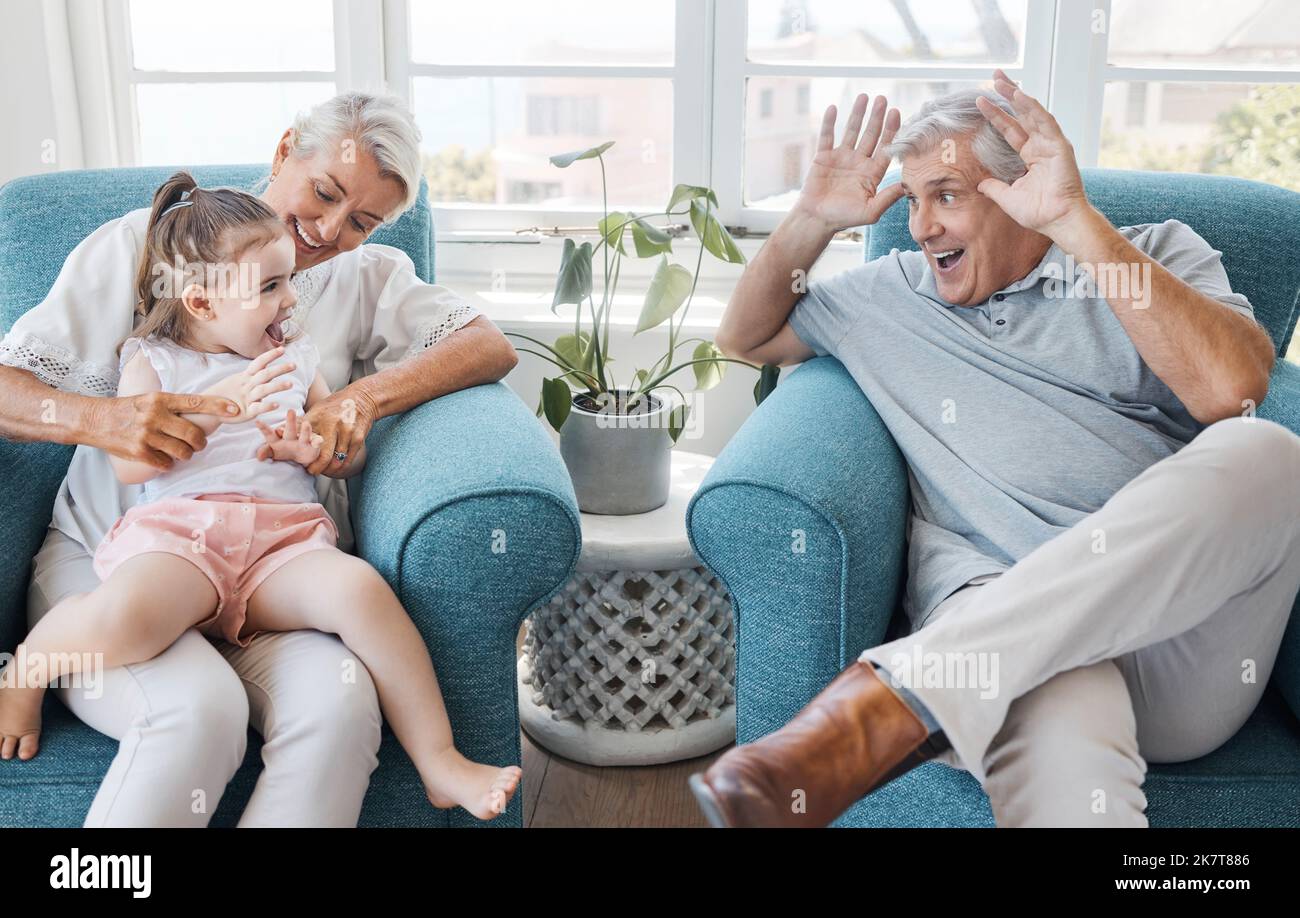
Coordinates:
<point>956,115</point>
<point>380,125</point>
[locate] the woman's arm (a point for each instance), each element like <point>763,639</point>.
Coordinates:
<point>319,392</point>
<point>138,378</point>
<point>473,355</point>
<point>145,428</point>
<point>31,411</point>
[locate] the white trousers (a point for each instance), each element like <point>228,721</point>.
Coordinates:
<point>182,719</point>
<point>1146,632</point>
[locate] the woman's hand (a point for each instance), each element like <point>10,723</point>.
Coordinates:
<point>149,427</point>
<point>291,442</point>
<point>840,190</point>
<point>250,387</point>
<point>342,420</point>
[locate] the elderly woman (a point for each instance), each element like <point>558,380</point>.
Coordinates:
<point>387,341</point>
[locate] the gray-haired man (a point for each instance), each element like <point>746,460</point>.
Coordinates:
<point>1104,543</point>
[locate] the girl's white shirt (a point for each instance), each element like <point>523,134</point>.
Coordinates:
<point>365,310</point>
<point>228,464</point>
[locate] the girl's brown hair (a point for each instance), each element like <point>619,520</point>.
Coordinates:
<point>213,226</point>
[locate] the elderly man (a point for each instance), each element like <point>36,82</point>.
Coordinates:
<point>1104,543</point>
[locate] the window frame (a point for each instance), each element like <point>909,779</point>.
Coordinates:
<point>688,73</point>
<point>1067,68</point>
<point>358,63</point>
<point>1081,70</point>
<point>732,69</point>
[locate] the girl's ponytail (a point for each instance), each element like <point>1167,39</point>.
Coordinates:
<point>190,228</point>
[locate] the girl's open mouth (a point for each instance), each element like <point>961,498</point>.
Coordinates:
<point>275,331</point>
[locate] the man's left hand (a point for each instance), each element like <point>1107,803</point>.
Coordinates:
<point>1049,197</point>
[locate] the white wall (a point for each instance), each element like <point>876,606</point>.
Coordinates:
<point>27,100</point>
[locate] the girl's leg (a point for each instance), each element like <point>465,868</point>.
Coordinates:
<point>148,602</point>
<point>335,592</point>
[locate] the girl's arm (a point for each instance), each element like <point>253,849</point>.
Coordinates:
<point>138,377</point>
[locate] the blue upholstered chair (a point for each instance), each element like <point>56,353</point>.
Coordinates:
<point>816,456</point>
<point>424,517</point>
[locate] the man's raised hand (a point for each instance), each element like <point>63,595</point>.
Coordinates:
<point>840,190</point>
<point>1050,194</point>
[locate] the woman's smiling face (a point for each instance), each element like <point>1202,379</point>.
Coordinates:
<point>330,201</point>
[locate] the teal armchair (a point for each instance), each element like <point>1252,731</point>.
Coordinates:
<point>802,618</point>
<point>412,511</point>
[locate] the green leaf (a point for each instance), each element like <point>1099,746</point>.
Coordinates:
<point>557,400</point>
<point>708,375</point>
<point>564,160</point>
<point>639,377</point>
<point>612,227</point>
<point>649,240</point>
<point>714,235</point>
<point>690,193</point>
<point>576,351</point>
<point>766,382</point>
<point>573,284</point>
<point>677,421</point>
<point>668,290</point>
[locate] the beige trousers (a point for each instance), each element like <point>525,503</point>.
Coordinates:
<point>1144,633</point>
<point>182,719</point>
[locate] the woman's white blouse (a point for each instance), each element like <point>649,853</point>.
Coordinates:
<point>366,310</point>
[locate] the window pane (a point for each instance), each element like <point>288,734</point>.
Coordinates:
<point>1205,33</point>
<point>783,116</point>
<point>528,32</point>
<point>192,123</point>
<point>489,139</point>
<point>190,35</point>
<point>1228,128</point>
<point>877,32</point>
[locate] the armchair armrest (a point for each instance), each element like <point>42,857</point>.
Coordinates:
<point>803,517</point>
<point>34,472</point>
<point>1282,405</point>
<point>466,508</point>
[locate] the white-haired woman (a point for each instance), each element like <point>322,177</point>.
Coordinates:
<point>341,171</point>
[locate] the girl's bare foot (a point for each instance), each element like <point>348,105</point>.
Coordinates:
<point>20,717</point>
<point>483,790</point>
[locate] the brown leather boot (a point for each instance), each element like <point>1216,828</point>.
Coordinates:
<point>855,736</point>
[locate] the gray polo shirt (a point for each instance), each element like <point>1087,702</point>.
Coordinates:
<point>1018,416</point>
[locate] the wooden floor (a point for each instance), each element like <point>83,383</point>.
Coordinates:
<point>561,793</point>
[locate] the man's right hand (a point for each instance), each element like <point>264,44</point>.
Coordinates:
<point>149,428</point>
<point>840,190</point>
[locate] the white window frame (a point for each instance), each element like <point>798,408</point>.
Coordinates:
<point>358,63</point>
<point>689,73</point>
<point>732,69</point>
<point>709,69</point>
<point>1081,71</point>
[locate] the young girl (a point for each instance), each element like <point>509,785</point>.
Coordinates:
<point>232,540</point>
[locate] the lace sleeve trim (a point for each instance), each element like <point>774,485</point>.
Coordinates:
<point>58,367</point>
<point>434,330</point>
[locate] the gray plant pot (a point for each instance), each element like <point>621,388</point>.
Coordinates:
<point>620,464</point>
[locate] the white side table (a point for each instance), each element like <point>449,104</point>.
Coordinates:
<point>633,661</point>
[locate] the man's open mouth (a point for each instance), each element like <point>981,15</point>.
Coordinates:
<point>948,260</point>
<point>275,331</point>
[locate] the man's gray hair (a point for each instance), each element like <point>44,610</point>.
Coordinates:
<point>955,115</point>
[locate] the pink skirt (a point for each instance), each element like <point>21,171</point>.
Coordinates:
<point>236,540</point>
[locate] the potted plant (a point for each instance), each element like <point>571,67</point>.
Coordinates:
<point>615,435</point>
